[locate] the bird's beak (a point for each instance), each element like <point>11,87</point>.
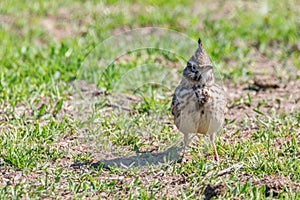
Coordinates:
<point>207,68</point>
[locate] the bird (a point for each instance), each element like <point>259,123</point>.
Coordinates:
<point>199,104</point>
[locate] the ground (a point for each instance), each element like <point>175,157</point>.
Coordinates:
<point>85,99</point>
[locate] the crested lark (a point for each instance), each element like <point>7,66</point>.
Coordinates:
<point>198,103</point>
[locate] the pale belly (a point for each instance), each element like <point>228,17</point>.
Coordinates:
<point>204,119</point>
<point>188,122</point>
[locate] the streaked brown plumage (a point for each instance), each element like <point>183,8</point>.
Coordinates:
<point>198,103</point>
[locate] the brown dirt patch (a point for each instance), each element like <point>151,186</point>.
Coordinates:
<point>243,99</point>
<point>265,82</point>
<point>275,184</point>
<point>215,190</point>
<point>6,19</point>
<point>62,25</point>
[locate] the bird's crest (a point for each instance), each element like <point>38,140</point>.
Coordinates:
<point>200,56</point>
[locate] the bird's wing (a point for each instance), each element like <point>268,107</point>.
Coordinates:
<point>175,106</point>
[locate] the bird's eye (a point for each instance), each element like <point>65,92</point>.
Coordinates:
<point>193,69</point>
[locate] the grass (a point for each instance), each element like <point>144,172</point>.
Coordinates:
<point>60,112</point>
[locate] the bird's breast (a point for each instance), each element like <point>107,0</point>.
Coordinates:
<point>201,111</point>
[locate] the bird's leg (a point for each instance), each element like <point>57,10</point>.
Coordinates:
<point>214,146</point>
<point>186,142</point>
<point>215,151</point>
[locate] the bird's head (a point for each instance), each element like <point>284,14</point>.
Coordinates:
<point>199,68</point>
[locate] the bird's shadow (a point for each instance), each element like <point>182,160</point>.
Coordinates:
<point>141,159</point>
